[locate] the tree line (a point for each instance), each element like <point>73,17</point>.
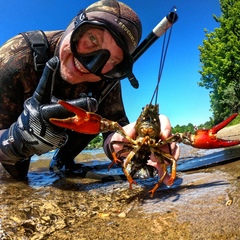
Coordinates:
<point>220,62</point>
<point>207,125</point>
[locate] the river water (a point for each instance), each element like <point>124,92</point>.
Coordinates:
<point>202,204</point>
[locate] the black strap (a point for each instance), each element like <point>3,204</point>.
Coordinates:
<point>38,42</point>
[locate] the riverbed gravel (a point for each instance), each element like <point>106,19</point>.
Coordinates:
<point>202,204</point>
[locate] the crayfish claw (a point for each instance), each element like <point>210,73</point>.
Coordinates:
<point>83,122</point>
<point>207,138</point>
<point>223,124</point>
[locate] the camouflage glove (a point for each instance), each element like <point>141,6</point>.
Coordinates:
<point>32,133</point>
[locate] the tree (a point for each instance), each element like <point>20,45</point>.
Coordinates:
<point>220,61</point>
<point>97,142</point>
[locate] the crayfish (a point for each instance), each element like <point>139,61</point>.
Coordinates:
<point>147,139</point>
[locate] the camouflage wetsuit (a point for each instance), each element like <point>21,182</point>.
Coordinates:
<point>18,80</point>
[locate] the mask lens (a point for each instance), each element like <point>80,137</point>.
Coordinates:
<point>95,60</point>
<point>121,70</point>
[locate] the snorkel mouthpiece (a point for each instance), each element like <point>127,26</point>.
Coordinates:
<point>94,62</point>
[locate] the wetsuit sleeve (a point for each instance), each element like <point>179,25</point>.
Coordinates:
<point>17,79</point>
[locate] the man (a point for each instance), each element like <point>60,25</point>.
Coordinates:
<point>85,60</point>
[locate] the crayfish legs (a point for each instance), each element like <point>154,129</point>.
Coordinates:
<point>157,185</point>
<point>162,170</point>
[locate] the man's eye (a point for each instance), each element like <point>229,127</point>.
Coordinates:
<point>93,38</point>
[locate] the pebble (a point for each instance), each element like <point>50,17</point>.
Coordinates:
<point>122,215</point>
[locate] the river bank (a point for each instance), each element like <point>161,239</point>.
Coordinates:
<point>202,204</point>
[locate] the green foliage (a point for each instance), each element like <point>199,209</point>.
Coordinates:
<point>184,128</point>
<point>220,61</point>
<point>235,121</point>
<point>97,142</point>
<point>207,125</point>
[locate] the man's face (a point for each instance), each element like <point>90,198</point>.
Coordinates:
<point>91,40</point>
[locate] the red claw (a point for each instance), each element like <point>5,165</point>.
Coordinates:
<point>84,122</point>
<point>207,138</point>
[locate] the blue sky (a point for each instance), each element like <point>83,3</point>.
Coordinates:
<point>180,97</point>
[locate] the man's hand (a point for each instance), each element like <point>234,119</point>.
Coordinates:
<point>32,133</point>
<point>153,161</point>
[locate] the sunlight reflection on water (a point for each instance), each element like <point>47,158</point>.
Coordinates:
<point>49,155</point>
<point>186,151</point>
